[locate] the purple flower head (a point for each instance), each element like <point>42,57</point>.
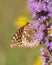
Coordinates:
<point>47,58</point>
<point>46,1</point>
<point>40,9</point>
<point>43,52</point>
<point>40,35</point>
<point>47,44</point>
<point>42,27</point>
<point>35,24</point>
<point>49,7</point>
<point>42,18</point>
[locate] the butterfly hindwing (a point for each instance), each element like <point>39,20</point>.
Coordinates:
<point>28,37</point>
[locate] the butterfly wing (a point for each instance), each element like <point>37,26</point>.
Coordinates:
<point>17,39</point>
<point>29,38</point>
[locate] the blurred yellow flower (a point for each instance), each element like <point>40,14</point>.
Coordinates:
<point>20,21</point>
<point>38,61</point>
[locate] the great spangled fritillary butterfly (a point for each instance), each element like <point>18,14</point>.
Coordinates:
<point>24,37</point>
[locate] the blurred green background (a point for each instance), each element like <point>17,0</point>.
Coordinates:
<point>9,11</point>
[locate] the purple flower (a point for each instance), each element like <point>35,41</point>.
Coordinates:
<point>39,9</point>
<point>40,35</point>
<point>43,52</point>
<point>42,18</point>
<point>47,1</point>
<point>46,57</point>
<point>44,7</point>
<point>42,27</point>
<point>49,6</point>
<point>47,44</point>
<point>35,24</point>
<point>44,63</point>
<point>33,14</point>
<point>50,15</point>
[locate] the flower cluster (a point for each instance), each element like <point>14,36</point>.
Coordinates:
<point>41,14</point>
<point>40,9</point>
<point>47,58</point>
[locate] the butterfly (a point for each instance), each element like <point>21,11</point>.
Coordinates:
<point>24,37</point>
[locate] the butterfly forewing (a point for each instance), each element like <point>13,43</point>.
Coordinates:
<point>17,38</point>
